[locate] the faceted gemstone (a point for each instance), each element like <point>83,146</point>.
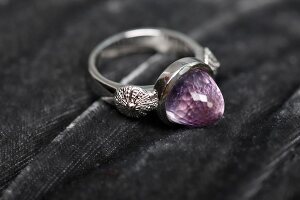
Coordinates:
<point>195,100</point>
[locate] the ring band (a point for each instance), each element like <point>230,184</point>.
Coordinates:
<point>185,92</point>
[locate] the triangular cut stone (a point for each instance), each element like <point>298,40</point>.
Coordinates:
<point>195,100</point>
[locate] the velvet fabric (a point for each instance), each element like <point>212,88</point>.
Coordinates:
<point>58,141</point>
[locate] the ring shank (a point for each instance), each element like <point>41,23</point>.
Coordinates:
<point>139,40</point>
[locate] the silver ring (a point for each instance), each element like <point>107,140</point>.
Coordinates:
<point>185,93</point>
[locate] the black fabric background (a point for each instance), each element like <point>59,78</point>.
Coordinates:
<point>58,141</point>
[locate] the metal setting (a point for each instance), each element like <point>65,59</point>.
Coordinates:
<point>170,76</point>
<point>136,101</point>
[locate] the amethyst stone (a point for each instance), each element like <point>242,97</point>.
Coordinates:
<point>195,100</point>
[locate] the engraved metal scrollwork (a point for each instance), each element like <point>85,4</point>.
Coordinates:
<point>134,101</point>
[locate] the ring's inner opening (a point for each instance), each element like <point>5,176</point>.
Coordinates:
<point>140,60</point>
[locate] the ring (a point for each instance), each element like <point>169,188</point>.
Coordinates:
<point>185,93</point>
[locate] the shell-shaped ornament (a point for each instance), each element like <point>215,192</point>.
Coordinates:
<point>134,101</point>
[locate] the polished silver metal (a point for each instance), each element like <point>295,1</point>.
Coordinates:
<point>136,101</point>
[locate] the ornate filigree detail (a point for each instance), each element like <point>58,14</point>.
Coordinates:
<point>134,101</point>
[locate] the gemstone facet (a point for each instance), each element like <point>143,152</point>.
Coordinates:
<point>195,100</point>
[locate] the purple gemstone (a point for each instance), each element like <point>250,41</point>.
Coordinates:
<point>195,100</point>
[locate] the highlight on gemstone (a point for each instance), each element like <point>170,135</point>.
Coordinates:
<point>195,100</point>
